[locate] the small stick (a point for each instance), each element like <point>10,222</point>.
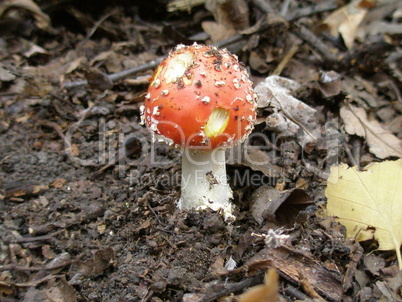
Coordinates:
<point>308,11</point>
<point>30,283</point>
<point>150,65</point>
<point>96,26</point>
<point>264,6</point>
<point>293,292</point>
<point>285,8</point>
<point>308,288</point>
<point>118,75</point>
<point>329,55</point>
<point>231,288</point>
<point>285,60</point>
<point>59,132</point>
<point>9,267</point>
<point>352,157</point>
<point>34,239</point>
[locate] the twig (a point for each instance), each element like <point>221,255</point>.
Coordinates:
<point>34,239</point>
<point>325,6</point>
<point>284,9</point>
<point>148,296</point>
<point>308,11</point>
<point>119,75</point>
<point>329,55</point>
<point>285,60</point>
<point>396,89</point>
<point>293,292</point>
<point>59,132</point>
<point>96,26</point>
<point>353,160</point>
<point>13,267</point>
<point>392,60</point>
<point>114,77</point>
<point>367,129</point>
<point>183,5</point>
<point>264,6</point>
<point>30,283</point>
<point>308,288</point>
<point>231,288</point>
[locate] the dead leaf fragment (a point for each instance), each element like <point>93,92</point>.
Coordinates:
<point>59,183</point>
<point>329,83</point>
<point>295,265</point>
<point>216,31</point>
<point>42,20</point>
<point>55,290</point>
<point>98,80</point>
<point>92,267</point>
<point>183,5</point>
<point>345,21</point>
<point>371,198</point>
<point>267,292</point>
<point>291,117</point>
<point>381,141</point>
<point>254,158</point>
<point>273,205</point>
<point>5,75</point>
<point>21,189</point>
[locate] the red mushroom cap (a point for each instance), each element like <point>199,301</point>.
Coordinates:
<point>200,97</point>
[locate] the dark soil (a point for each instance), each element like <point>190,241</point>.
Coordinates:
<point>88,201</point>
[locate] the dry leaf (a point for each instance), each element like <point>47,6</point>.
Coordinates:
<point>6,75</point>
<point>59,183</point>
<point>381,141</point>
<point>267,292</point>
<point>369,199</point>
<point>290,114</point>
<point>216,31</point>
<point>345,21</point>
<point>275,206</point>
<point>92,267</point>
<point>329,83</point>
<point>183,5</point>
<point>42,20</point>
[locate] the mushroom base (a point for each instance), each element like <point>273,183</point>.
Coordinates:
<point>204,182</point>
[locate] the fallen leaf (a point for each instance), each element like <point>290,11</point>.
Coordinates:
<point>6,75</point>
<point>381,141</point>
<point>329,83</point>
<point>276,206</point>
<point>92,267</point>
<point>55,290</point>
<point>371,198</point>
<point>97,79</point>
<point>183,5</point>
<point>216,31</point>
<point>23,189</point>
<point>228,17</point>
<point>345,21</point>
<point>267,292</point>
<point>42,20</point>
<point>295,265</point>
<point>34,50</point>
<point>254,158</point>
<point>59,183</point>
<point>291,117</point>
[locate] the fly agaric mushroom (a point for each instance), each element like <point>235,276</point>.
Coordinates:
<point>201,100</point>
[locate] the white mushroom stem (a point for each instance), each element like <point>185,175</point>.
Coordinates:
<point>204,182</point>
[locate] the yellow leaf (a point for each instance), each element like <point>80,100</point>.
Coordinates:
<point>372,198</point>
<point>267,292</point>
